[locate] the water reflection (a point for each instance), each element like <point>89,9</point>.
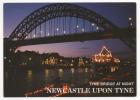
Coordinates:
<point>46,73</point>
<point>77,76</point>
<point>28,80</point>
<point>72,70</point>
<point>32,79</point>
<point>86,70</point>
<point>29,75</point>
<point>60,73</point>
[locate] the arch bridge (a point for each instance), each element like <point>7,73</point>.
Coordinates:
<point>57,23</point>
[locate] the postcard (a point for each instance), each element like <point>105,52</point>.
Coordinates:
<point>70,49</point>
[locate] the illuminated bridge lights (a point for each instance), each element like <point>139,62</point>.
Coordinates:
<point>93,24</point>
<point>130,18</point>
<point>52,17</point>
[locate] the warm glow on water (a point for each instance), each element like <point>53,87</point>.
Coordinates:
<point>46,73</point>
<point>29,75</point>
<point>61,72</point>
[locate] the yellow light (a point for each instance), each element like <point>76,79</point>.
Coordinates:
<point>116,60</point>
<point>30,58</point>
<point>102,57</point>
<point>71,64</point>
<point>29,72</point>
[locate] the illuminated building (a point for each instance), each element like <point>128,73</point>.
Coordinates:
<point>50,61</point>
<point>81,62</point>
<point>104,56</point>
<point>114,68</point>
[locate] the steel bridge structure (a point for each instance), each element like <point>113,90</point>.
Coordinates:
<point>56,23</point>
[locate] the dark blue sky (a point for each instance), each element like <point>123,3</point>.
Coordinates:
<point>118,13</point>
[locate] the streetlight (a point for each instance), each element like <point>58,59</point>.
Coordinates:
<point>97,28</point>
<point>34,35</point>
<point>48,34</point>
<point>57,29</point>
<point>77,26</point>
<point>92,24</point>
<point>64,32</point>
<point>130,18</point>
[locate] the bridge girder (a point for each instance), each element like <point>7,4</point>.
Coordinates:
<point>52,11</point>
<point>127,36</point>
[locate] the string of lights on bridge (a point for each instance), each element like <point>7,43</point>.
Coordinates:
<point>63,26</point>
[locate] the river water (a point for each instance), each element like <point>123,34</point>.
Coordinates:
<point>18,82</point>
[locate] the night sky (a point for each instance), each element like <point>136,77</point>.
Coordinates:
<point>118,13</point>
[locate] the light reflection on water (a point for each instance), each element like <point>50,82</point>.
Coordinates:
<point>46,73</point>
<point>72,70</point>
<point>29,75</point>
<point>86,70</point>
<point>28,80</point>
<point>32,79</point>
<point>60,74</point>
<point>79,75</point>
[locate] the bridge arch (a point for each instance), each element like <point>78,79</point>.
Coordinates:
<point>52,11</point>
